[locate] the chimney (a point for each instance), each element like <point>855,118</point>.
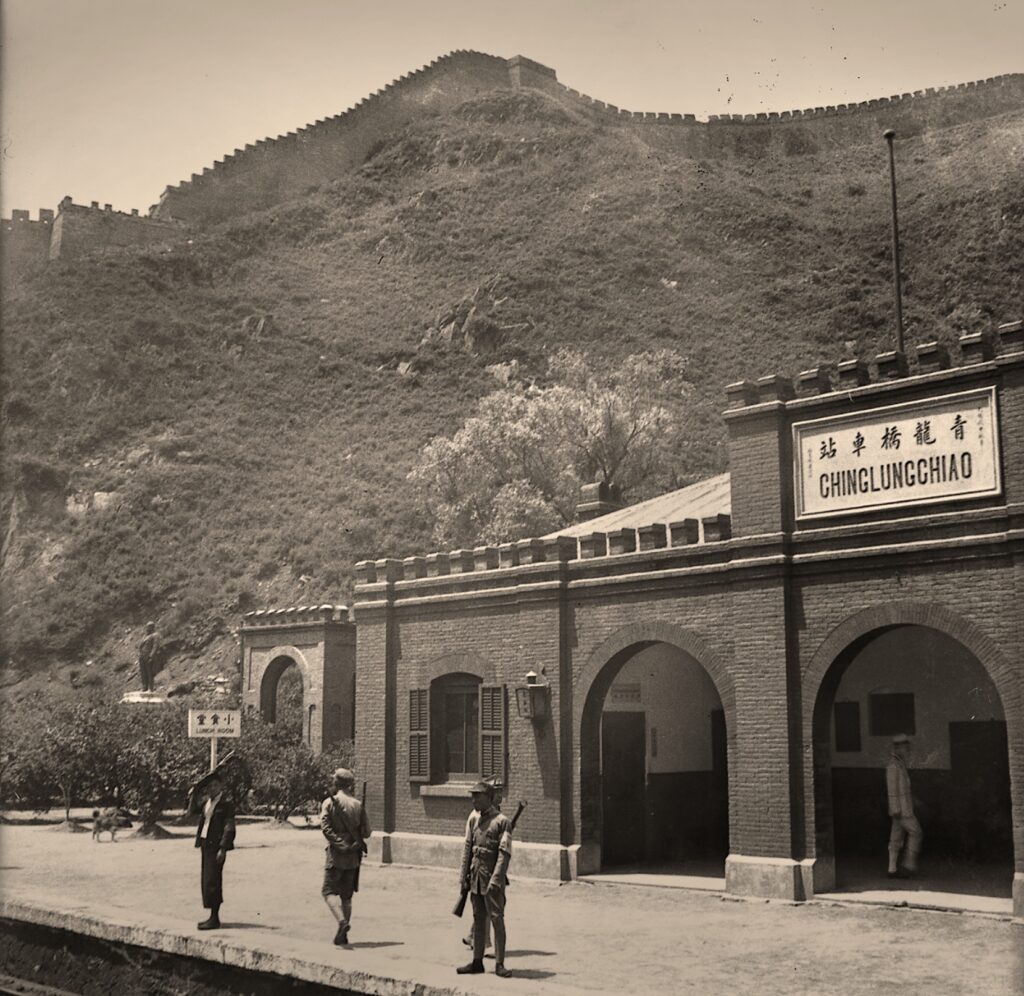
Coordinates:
<point>598,499</point>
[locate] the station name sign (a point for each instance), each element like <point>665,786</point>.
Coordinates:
<point>917,453</point>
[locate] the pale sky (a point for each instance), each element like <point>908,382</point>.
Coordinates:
<point>111,100</point>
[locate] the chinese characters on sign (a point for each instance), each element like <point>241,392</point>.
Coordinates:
<point>911,454</point>
<point>215,722</point>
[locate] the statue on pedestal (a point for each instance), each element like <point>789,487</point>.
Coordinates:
<point>148,650</point>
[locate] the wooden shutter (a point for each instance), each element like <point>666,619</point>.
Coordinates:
<point>492,732</point>
<point>419,735</point>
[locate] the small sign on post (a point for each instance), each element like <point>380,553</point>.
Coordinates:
<point>213,724</point>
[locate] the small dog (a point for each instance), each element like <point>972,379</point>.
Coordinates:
<point>107,819</point>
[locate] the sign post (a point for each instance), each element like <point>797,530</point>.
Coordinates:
<point>213,724</point>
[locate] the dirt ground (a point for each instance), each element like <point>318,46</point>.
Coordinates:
<point>577,937</point>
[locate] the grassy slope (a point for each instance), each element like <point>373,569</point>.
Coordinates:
<point>253,471</point>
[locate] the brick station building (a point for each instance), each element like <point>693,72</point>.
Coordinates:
<point>711,680</point>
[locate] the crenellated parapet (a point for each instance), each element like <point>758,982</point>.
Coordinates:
<point>928,357</point>
<point>24,241</point>
<point>532,560</point>
<point>295,616</point>
<point>76,229</point>
<point>808,130</point>
<point>276,169</point>
<point>272,170</point>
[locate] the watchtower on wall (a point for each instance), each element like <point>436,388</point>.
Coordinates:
<point>321,643</point>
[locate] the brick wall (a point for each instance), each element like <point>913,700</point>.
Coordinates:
<point>769,613</point>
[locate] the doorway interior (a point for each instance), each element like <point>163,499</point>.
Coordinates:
<point>917,681</point>
<point>663,768</point>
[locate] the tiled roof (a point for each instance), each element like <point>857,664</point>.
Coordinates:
<point>696,501</point>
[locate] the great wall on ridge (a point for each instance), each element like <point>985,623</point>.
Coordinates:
<point>275,170</point>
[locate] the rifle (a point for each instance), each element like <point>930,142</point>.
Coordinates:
<point>362,800</point>
<point>460,906</point>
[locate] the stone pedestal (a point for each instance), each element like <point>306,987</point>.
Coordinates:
<point>134,698</point>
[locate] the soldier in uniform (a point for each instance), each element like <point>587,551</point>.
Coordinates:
<point>905,827</point>
<point>485,861</point>
<point>496,802</point>
<point>343,822</point>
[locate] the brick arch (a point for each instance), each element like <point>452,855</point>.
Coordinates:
<point>271,674</point>
<point>821,678</point>
<point>646,633</point>
<point>459,661</point>
<point>588,695</point>
<point>933,616</point>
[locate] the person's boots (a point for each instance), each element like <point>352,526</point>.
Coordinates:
<point>501,971</point>
<point>212,922</point>
<point>473,968</point>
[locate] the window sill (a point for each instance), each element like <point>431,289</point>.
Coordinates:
<point>447,790</point>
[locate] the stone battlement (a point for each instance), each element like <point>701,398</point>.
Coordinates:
<point>275,169</point>
<point>974,347</point>
<point>294,615</point>
<point>76,229</point>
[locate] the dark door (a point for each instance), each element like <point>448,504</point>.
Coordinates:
<point>623,773</point>
<point>978,801</point>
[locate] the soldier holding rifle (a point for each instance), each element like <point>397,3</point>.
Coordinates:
<point>485,860</point>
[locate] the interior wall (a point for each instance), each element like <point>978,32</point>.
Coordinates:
<point>948,684</point>
<point>677,696</point>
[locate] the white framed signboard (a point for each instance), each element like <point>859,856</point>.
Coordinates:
<point>916,453</point>
<point>215,722</point>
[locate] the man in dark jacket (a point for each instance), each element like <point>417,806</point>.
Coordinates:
<point>344,824</point>
<point>215,836</point>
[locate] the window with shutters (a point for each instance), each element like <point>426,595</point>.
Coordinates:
<point>419,735</point>
<point>457,730</point>
<point>492,732</point>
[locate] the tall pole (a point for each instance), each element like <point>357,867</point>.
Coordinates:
<point>889,135</point>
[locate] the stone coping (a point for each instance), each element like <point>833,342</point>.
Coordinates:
<point>288,957</point>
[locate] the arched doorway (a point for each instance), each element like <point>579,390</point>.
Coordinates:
<point>654,764</point>
<point>913,679</point>
<point>281,698</point>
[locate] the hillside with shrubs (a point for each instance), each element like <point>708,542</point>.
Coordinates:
<point>192,434</point>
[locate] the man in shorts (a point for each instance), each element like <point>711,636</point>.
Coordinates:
<point>344,824</point>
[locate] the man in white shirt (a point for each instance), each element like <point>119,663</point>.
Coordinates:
<point>905,828</point>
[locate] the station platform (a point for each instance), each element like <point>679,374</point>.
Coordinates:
<point>589,936</point>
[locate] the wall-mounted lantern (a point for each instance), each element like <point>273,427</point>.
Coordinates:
<point>532,699</point>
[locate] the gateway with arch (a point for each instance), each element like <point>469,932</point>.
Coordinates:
<point>709,682</point>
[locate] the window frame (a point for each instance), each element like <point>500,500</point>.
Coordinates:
<point>427,749</point>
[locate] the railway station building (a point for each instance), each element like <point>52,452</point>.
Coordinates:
<point>711,680</point>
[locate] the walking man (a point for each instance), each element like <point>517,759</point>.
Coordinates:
<point>344,824</point>
<point>485,860</point>
<point>905,827</point>
<point>215,836</point>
